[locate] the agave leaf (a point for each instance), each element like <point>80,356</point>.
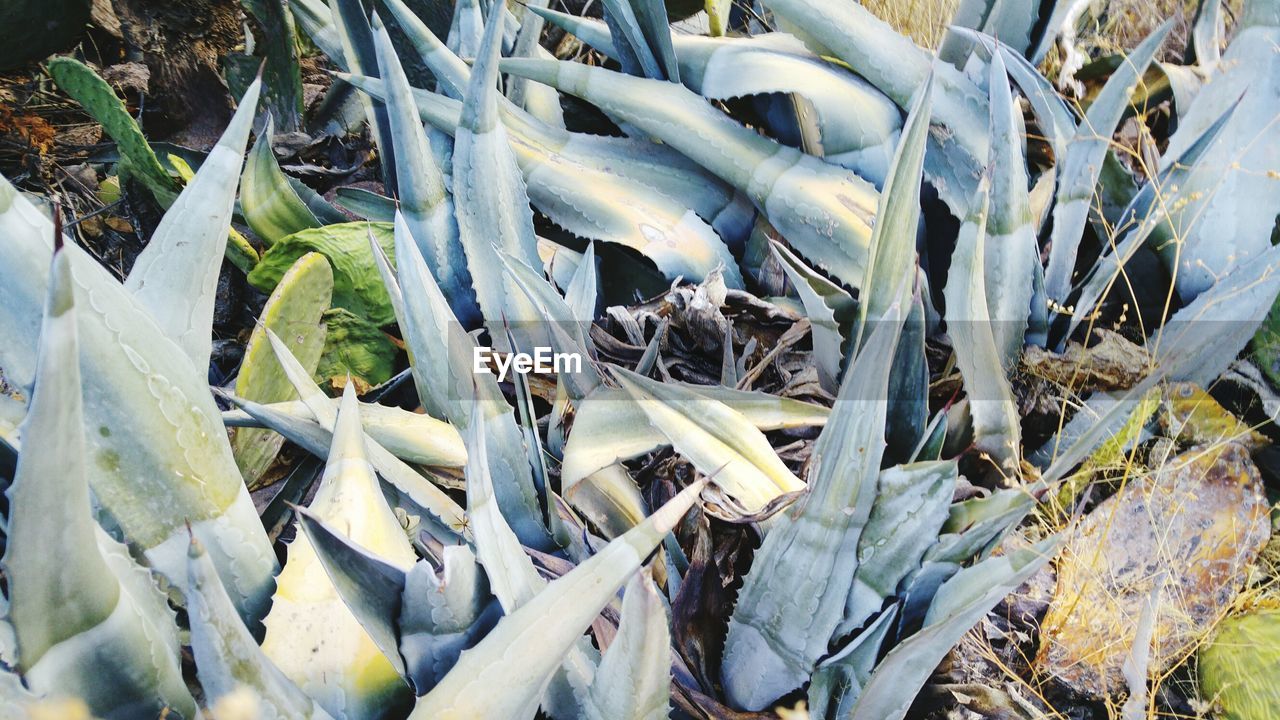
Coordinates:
<point>439,348</point>
<point>1151,216</point>
<point>567,333</point>
<point>1199,341</point>
<point>1057,121</point>
<point>491,202</point>
<point>996,425</point>
<point>317,22</point>
<point>1102,416</point>
<point>714,437</point>
<point>608,205</point>
<point>1011,253</point>
<point>449,69</point>
<point>506,673</point>
<point>227,656</point>
<point>635,53</point>
<point>832,314</point>
<point>512,576</point>
<point>99,100</point>
<point>293,311</point>
<point>858,125</point>
<point>311,634</point>
<point>466,29</point>
<point>650,163</point>
<point>909,381</point>
<point>424,202</point>
<point>794,596</point>
<point>839,679</point>
<point>175,277</point>
<point>609,426</point>
<point>411,436</point>
<point>893,239</point>
<point>1083,162</point>
<point>609,499</point>
<point>355,274</point>
<point>280,70</point>
<point>959,604</point>
<point>95,599</point>
<point>1054,26</point>
<point>240,252</point>
<point>160,452</point>
<point>897,67</point>
<point>1233,197</point>
<point>270,205</point>
<point>972,525</point>
<point>441,516</point>
<point>651,17</point>
<point>371,587</point>
<point>911,505</point>
<point>423,493</point>
<point>444,615</point>
<point>581,293</point>
<point>1206,34</point>
<point>1013,21</point>
<point>540,101</point>
<point>825,212</point>
<point>443,361</point>
<point>634,679</point>
<point>360,55</point>
<point>366,204</point>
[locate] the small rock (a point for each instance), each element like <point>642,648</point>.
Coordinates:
<point>129,77</point>
<point>84,176</point>
<point>1110,362</point>
<point>1194,417</point>
<point>1200,520</point>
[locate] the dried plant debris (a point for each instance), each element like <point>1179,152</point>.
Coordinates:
<point>1194,525</point>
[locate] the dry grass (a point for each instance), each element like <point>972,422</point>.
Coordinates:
<point>922,20</point>
<point>1110,26</point>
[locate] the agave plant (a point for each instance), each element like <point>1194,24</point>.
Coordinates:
<point>461,553</point>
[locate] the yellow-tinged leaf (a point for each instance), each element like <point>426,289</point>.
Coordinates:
<point>716,439</point>
<point>311,633</point>
<point>294,313</point>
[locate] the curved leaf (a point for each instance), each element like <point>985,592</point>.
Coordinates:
<point>226,654</point>
<point>794,596</point>
<point>95,601</point>
<point>175,277</point>
<point>609,426</point>
<point>714,437</point>
<point>160,453</point>
<point>996,425</point>
<point>1083,161</point>
<point>311,634</point>
<point>959,604</point>
<point>427,208</point>
<point>634,679</point>
<point>270,205</point>
<point>506,673</point>
<point>825,212</point>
